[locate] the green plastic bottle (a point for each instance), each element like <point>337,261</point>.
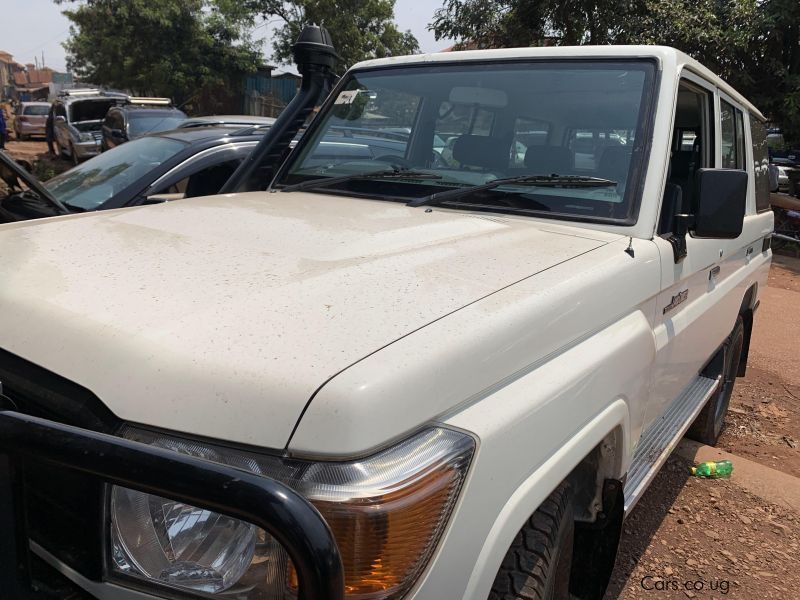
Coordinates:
<point>720,469</point>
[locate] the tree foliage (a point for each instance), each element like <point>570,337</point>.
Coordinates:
<point>187,50</point>
<point>361,29</point>
<point>511,23</point>
<point>753,44</point>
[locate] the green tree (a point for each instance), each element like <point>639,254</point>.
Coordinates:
<point>510,23</point>
<point>189,50</point>
<point>361,29</point>
<point>753,44</point>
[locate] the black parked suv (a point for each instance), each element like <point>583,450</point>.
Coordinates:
<point>138,117</point>
<point>171,165</point>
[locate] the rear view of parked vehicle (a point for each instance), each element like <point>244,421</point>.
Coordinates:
<point>30,119</point>
<point>138,117</point>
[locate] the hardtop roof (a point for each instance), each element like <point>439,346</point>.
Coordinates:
<point>667,57</point>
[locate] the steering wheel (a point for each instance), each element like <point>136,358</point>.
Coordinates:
<point>397,162</point>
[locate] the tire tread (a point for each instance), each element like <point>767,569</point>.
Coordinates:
<point>523,572</point>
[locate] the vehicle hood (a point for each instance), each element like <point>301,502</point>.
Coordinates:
<point>222,316</point>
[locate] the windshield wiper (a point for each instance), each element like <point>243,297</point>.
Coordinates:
<point>33,194</point>
<point>564,181</point>
<point>387,174</point>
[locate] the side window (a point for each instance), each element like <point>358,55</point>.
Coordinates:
<point>741,156</point>
<point>685,140</point>
<point>731,136</point>
<point>691,150</point>
<point>209,181</point>
<point>758,132</point>
<point>205,178</point>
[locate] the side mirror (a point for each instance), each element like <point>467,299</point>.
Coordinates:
<point>718,208</point>
<point>720,203</point>
<point>161,198</point>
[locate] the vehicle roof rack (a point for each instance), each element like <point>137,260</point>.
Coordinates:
<point>80,92</point>
<point>149,101</point>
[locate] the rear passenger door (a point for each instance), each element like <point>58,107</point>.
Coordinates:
<point>697,305</point>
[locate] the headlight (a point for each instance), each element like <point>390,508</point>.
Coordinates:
<point>387,513</point>
<point>85,137</point>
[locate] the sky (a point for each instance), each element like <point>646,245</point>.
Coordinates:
<point>37,26</point>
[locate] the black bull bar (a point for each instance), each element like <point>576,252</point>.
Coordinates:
<point>266,503</point>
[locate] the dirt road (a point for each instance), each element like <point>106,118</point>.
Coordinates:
<point>35,152</point>
<point>700,538</point>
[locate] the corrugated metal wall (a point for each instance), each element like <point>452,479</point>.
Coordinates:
<point>261,84</point>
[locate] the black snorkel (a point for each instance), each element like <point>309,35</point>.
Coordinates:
<point>315,58</point>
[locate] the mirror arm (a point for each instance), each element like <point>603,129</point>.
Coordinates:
<point>677,240</point>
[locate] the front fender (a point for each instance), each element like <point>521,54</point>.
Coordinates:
<point>533,433</point>
<point>532,492</point>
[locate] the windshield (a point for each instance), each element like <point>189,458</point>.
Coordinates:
<point>90,184</point>
<point>36,109</point>
<point>472,123</point>
<point>141,124</point>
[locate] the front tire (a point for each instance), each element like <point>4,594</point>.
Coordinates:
<point>708,425</point>
<point>537,566</point>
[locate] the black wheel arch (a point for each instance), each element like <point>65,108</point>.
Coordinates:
<point>746,311</point>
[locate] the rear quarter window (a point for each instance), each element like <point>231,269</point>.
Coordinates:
<point>758,133</point>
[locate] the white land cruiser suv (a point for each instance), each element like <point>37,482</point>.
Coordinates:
<point>441,357</point>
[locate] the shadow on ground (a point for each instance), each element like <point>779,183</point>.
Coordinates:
<point>642,524</point>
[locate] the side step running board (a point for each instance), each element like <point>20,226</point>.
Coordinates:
<point>660,439</point>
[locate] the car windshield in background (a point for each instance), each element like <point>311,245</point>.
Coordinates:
<point>152,123</point>
<point>90,184</point>
<point>37,110</point>
<point>472,124</point>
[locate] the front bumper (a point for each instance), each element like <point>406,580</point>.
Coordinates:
<point>265,502</point>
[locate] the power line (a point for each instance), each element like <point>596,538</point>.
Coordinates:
<point>42,45</point>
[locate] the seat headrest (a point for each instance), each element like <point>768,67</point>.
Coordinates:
<point>482,151</point>
<point>546,160</point>
<point>614,163</point>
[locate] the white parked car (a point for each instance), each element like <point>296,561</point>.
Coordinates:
<point>398,378</point>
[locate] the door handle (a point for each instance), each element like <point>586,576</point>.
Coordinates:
<point>713,273</point>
